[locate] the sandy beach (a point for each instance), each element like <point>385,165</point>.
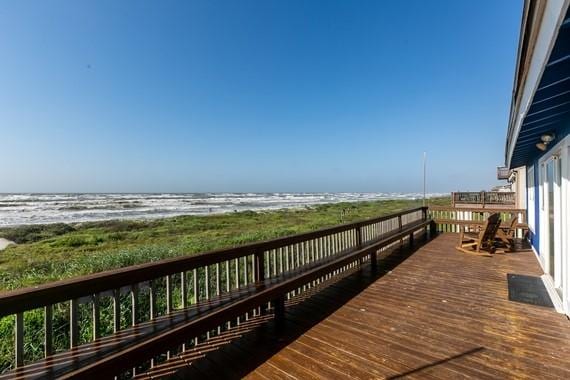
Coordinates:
<point>4,243</point>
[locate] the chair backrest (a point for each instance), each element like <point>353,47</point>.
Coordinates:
<point>512,225</point>
<point>492,225</point>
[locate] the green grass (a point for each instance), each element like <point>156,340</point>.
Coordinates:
<point>53,252</point>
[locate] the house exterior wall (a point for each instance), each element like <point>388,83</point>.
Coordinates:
<point>538,227</point>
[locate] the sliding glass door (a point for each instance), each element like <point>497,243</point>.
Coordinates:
<point>552,219</point>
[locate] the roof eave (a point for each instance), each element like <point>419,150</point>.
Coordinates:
<point>539,28</point>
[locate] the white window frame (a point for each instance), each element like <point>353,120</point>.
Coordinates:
<point>531,205</point>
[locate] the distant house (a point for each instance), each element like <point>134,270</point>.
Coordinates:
<point>538,141</point>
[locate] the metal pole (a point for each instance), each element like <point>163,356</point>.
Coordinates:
<point>424,201</point>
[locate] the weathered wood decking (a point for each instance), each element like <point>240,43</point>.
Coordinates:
<point>438,314</point>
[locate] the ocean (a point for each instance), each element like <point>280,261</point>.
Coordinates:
<point>23,209</point>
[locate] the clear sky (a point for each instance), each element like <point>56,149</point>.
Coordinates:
<point>175,96</point>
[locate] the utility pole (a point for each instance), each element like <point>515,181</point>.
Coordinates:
<point>425,156</point>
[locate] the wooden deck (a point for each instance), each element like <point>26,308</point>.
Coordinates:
<point>432,313</point>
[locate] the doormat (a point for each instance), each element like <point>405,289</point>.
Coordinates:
<point>528,289</point>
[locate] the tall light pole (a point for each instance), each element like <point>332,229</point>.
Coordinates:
<point>425,157</point>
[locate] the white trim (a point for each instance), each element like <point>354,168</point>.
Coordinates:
<point>531,203</point>
<point>538,258</point>
<point>549,285</point>
<point>552,18</point>
<point>552,293</point>
<point>561,275</point>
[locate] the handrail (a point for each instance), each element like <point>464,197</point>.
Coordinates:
<point>450,219</point>
<point>161,287</point>
<point>15,301</point>
<point>484,197</point>
<point>475,209</point>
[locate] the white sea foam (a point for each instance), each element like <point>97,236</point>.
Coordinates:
<point>21,209</point>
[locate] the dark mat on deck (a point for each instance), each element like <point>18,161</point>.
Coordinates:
<point>528,289</point>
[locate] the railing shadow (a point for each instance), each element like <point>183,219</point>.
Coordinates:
<point>436,363</point>
<point>243,355</point>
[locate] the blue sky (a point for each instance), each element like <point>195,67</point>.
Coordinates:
<point>174,96</point>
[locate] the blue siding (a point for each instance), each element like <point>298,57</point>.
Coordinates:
<point>535,237</point>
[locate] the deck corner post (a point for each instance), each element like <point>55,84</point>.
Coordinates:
<point>432,229</point>
<point>411,238</point>
<point>424,213</point>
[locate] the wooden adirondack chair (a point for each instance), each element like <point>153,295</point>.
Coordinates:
<point>482,239</point>
<point>506,234</point>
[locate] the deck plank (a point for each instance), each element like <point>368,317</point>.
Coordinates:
<point>433,313</point>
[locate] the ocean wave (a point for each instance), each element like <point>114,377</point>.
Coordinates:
<point>20,209</point>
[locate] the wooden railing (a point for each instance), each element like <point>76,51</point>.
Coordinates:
<point>450,219</point>
<point>70,314</point>
<point>483,198</point>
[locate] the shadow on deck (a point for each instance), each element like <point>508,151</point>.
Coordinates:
<point>429,313</point>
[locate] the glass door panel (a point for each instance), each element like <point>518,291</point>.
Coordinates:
<point>550,214</point>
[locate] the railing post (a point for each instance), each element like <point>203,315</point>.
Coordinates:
<point>259,266</point>
<point>373,260</point>
<point>359,236</point>
<point>279,309</point>
<point>359,242</point>
<point>432,229</point>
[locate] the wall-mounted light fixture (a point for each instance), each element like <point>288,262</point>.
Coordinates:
<point>546,139</point>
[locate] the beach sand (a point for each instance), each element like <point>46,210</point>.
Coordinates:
<point>4,243</point>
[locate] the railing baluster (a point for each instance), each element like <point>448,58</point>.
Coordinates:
<point>274,251</point>
<point>48,330</point>
<point>245,271</point>
<point>259,259</point>
<point>116,310</point>
<point>96,316</point>
<point>19,340</point>
<point>73,324</point>
<point>237,273</point>
<point>280,260</point>
<point>228,276</point>
<point>168,294</point>
<point>207,282</point>
<point>218,289</point>
<point>195,288</point>
<point>183,290</point>
<point>152,300</point>
<point>134,304</point>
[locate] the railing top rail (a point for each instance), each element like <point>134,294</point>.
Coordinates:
<point>483,192</point>
<point>59,291</point>
<point>475,209</point>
